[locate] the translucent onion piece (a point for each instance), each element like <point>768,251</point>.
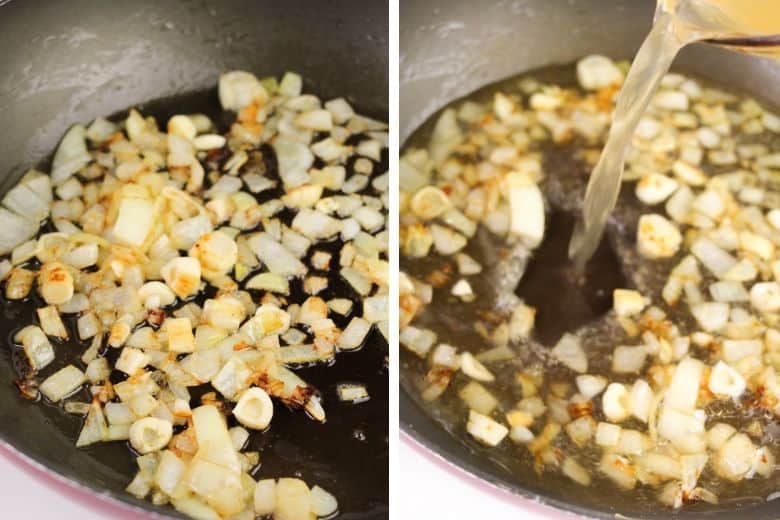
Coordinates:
<point>71,155</point>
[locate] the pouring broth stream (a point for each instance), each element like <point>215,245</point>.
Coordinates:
<point>749,26</point>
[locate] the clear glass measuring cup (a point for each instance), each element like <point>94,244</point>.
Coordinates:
<point>751,26</point>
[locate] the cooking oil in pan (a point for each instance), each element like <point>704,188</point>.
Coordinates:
<point>296,445</point>
<point>752,26</point>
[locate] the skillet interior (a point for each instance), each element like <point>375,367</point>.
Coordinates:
<point>70,61</point>
<point>450,49</point>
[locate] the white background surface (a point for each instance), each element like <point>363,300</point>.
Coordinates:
<point>427,484</point>
<point>26,492</point>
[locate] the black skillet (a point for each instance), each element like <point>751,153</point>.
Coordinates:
<point>70,61</point>
<point>450,48</point>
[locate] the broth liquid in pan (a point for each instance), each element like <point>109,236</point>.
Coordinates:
<point>616,263</point>
<point>751,26</point>
<point>553,286</point>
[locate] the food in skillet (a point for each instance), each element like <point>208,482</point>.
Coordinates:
<point>165,262</point>
<point>673,393</point>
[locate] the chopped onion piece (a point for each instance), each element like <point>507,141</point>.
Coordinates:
<point>596,72</point>
<point>131,360</point>
<point>626,360</point>
<point>37,348</point>
<point>711,316</point>
<point>352,392</point>
<point>715,259</point>
<point>232,379</point>
<point>95,428</point>
<point>293,500</point>
<point>293,158</point>
<point>627,302</point>
<point>618,469</point>
<point>485,429</point>
<point>51,323</point>
<point>354,334</point>
<point>238,89</point>
<point>684,387</point>
<point>269,282</point>
<point>16,230</point>
<point>323,504</point>
<point>71,155</point>
<point>657,237</point>
<point>418,341</point>
<point>182,275</point>
<point>735,458</point>
<point>590,386</point>
<point>569,351</point>
<point>135,221</point>
<point>527,205</point>
<point>62,383</point>
<point>264,498</point>
<point>315,225</point>
<point>765,296</point>
<point>275,256</point>
<point>22,200</point>
<point>474,369</point>
<point>478,398</point>
<point>581,430</point>
<point>572,469</point>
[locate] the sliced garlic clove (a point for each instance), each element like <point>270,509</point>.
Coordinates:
<point>429,202</point>
<point>150,434</point>
<point>765,296</point>
<point>616,402</point>
<point>724,381</point>
<point>254,409</point>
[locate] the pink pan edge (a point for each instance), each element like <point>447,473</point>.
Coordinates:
<point>101,503</point>
<point>515,501</point>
